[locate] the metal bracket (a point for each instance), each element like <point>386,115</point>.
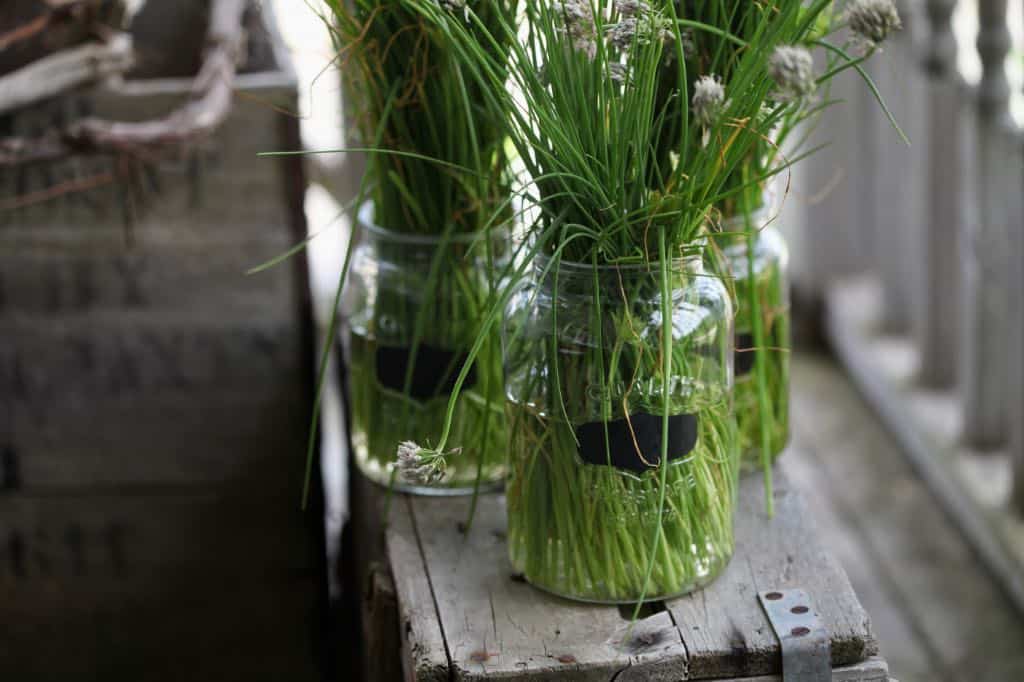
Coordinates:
<point>805,642</point>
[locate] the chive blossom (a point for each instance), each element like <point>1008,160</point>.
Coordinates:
<point>872,21</point>
<point>792,69</point>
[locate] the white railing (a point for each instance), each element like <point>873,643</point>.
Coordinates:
<point>943,218</point>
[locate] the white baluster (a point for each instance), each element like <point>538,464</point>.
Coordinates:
<point>986,247</point>
<point>899,184</point>
<point>832,183</point>
<point>940,309</point>
<point>1015,414</point>
<point>1016,346</point>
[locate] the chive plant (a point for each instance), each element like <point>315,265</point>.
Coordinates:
<point>622,443</point>
<point>754,252</point>
<point>431,239</point>
<point>758,273</point>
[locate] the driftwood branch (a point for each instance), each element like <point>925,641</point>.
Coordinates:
<point>65,70</point>
<point>206,108</point>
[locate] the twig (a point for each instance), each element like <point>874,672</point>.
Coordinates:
<point>206,108</point>
<point>54,191</point>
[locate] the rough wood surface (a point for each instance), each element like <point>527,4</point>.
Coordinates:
<point>726,633</point>
<point>229,438</point>
<point>973,488</point>
<point>923,427</point>
<point>424,651</point>
<point>466,616</point>
<point>114,586</point>
<point>56,277</point>
<point>872,670</point>
<point>495,626</point>
<point>382,635</point>
<point>116,354</point>
<point>935,578</point>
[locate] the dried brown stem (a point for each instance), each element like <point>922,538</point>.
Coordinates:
<point>54,191</point>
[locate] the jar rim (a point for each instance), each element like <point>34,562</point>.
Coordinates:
<point>365,221</point>
<point>696,258</point>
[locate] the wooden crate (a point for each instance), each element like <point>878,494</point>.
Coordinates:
<point>155,400</point>
<point>452,608</point>
<point>136,350</point>
<point>157,584</point>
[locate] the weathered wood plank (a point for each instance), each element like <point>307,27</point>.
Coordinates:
<point>925,425</point>
<point>238,631</point>
<point>872,670</point>
<point>56,276</point>
<point>498,627</point>
<point>381,631</point>
<point>157,584</point>
<point>906,538</point>
<point>111,353</point>
<point>494,626</point>
<point>726,632</point>
<point>228,437</point>
<point>153,537</point>
<point>424,649</point>
<point>906,650</point>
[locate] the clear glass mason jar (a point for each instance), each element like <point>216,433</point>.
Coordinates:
<point>413,309</point>
<point>586,404</point>
<point>767,267</point>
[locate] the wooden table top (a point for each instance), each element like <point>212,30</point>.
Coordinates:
<point>464,615</point>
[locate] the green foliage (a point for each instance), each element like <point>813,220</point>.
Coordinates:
<point>411,93</point>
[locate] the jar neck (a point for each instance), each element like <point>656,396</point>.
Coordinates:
<point>584,279</point>
<point>732,231</point>
<point>414,244</point>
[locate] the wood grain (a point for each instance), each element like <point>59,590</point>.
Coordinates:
<point>424,650</point>
<point>121,354</point>
<point>911,543</point>
<point>465,615</point>
<point>495,625</point>
<point>727,633</point>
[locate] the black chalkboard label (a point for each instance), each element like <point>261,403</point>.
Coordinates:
<point>635,444</point>
<point>434,372</point>
<point>745,355</point>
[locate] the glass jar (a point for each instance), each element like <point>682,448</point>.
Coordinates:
<point>586,406</point>
<point>413,308</point>
<point>762,415</point>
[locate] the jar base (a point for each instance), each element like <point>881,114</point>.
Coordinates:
<point>382,477</point>
<point>689,588</point>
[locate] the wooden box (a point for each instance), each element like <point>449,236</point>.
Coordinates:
<point>448,602</point>
<point>155,400</point>
<point>136,350</point>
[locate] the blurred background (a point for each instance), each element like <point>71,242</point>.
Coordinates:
<point>155,398</point>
